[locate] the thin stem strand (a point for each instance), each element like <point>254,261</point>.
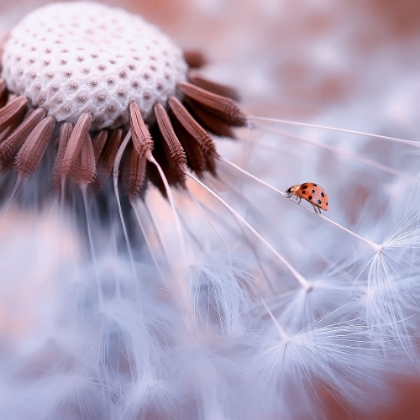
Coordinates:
<point>117,196</point>
<point>279,328</point>
<point>339,152</point>
<point>303,282</point>
<point>373,245</point>
<point>171,200</point>
<point>340,130</point>
<point>83,189</point>
<point>149,246</point>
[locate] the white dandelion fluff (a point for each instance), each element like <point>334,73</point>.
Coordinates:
<point>153,264</point>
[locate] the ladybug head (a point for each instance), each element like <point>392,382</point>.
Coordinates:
<point>292,189</point>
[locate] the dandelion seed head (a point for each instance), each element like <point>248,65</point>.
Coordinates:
<point>64,63</point>
<point>88,57</point>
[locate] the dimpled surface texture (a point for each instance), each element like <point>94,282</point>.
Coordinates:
<point>80,57</point>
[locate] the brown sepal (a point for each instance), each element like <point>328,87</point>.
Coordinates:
<point>217,88</point>
<point>63,139</point>
<point>105,163</point>
<point>99,143</point>
<point>196,159</point>
<point>222,107</point>
<point>3,93</point>
<point>142,139</point>
<point>195,58</point>
<point>192,126</point>
<point>13,110</point>
<point>10,147</point>
<point>75,143</point>
<point>134,173</point>
<point>208,120</point>
<point>172,147</point>
<point>85,169</point>
<point>33,150</point>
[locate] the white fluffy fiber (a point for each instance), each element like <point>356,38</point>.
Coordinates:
<point>222,330</point>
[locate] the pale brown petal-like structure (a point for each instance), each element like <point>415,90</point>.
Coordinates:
<point>177,130</point>
<point>33,150</point>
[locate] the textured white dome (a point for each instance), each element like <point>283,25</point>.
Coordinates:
<point>80,57</point>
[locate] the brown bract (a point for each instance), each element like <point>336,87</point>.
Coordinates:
<point>180,138</point>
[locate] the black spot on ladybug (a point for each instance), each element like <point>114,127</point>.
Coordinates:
<point>322,194</point>
<point>310,197</point>
<point>319,201</point>
<point>326,203</point>
<point>304,187</point>
<point>303,192</point>
<point>314,185</point>
<point>313,191</point>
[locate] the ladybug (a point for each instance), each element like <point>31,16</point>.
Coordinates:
<point>311,192</point>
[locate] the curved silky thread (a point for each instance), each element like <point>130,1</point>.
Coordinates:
<point>373,245</point>
<point>303,282</point>
<point>117,196</point>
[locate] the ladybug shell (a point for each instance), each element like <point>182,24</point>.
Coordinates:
<point>313,193</point>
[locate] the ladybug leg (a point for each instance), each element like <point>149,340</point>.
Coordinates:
<point>300,199</point>
<point>316,209</point>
